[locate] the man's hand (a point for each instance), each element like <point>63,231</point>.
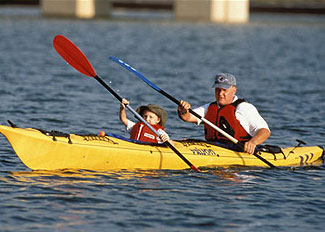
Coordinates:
<point>259,138</point>
<point>249,147</point>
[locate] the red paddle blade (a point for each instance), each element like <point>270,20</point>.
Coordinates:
<point>73,55</point>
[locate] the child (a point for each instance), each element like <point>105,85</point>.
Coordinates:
<point>152,114</point>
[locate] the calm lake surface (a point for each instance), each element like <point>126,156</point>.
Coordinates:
<point>280,68</point>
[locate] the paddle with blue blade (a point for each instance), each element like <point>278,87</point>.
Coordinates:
<point>76,58</point>
<point>152,85</point>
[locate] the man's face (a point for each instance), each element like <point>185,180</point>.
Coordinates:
<point>225,96</point>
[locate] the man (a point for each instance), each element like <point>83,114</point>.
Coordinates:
<point>235,116</point>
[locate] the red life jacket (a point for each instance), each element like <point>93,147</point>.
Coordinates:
<point>141,132</point>
<point>224,118</point>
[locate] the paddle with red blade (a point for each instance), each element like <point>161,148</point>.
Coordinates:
<point>75,57</point>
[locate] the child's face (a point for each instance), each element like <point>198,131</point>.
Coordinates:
<point>151,117</point>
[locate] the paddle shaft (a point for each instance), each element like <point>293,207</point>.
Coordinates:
<point>201,118</point>
<point>97,78</point>
<point>140,118</point>
<point>138,74</point>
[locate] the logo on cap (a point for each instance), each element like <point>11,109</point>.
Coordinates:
<point>222,79</point>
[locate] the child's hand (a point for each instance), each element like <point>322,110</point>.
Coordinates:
<point>124,103</point>
<point>164,137</point>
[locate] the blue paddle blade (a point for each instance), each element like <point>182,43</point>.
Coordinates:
<point>133,70</point>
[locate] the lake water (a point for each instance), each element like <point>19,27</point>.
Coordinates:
<point>280,68</point>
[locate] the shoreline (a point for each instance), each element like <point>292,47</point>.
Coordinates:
<point>256,6</point>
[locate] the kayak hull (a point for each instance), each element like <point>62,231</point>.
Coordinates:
<point>44,151</point>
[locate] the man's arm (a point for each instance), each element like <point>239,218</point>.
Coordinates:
<point>254,124</point>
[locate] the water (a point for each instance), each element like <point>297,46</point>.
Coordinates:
<point>279,64</point>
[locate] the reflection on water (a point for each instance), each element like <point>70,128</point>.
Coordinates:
<point>45,177</point>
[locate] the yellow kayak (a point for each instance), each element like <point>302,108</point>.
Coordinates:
<point>51,150</point>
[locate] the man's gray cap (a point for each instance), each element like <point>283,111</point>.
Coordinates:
<point>224,81</point>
